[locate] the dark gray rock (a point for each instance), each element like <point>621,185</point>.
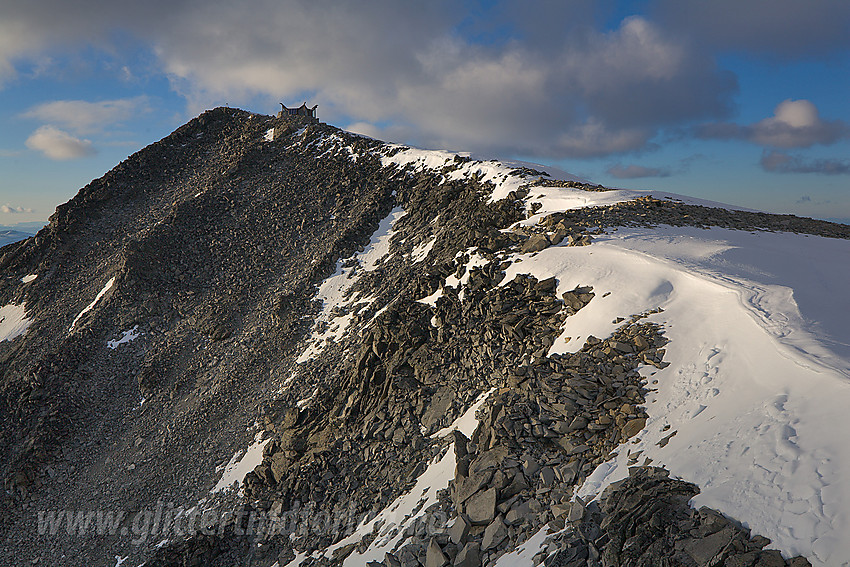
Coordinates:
<point>459,531</point>
<point>472,484</point>
<point>469,556</point>
<point>710,549</point>
<point>535,243</point>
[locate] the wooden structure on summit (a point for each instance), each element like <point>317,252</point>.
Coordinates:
<point>303,112</point>
<point>290,119</point>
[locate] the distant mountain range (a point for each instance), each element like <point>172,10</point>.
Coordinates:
<point>8,236</point>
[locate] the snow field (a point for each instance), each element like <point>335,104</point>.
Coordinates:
<point>241,464</point>
<point>753,398</point>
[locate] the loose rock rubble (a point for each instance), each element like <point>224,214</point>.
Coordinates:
<point>218,238</point>
<point>651,212</point>
<point>645,520</point>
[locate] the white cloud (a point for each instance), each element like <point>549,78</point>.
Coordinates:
<point>9,209</point>
<point>794,124</point>
<point>83,117</point>
<point>58,144</point>
<point>593,138</point>
<point>591,94</point>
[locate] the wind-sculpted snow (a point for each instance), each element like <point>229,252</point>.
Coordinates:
<point>751,407</point>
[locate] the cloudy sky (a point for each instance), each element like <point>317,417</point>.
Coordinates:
<point>740,101</point>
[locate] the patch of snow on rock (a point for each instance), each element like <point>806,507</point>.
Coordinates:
<point>91,305</point>
<point>241,464</point>
<point>397,516</point>
<point>333,291</point>
<point>421,251</point>
<point>126,337</point>
<point>466,423</point>
<point>13,321</point>
<point>524,554</point>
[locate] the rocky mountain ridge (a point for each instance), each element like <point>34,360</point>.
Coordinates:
<point>241,279</point>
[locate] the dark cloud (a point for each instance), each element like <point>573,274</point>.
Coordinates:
<point>804,199</point>
<point>636,171</point>
<point>779,28</point>
<point>778,162</point>
<point>795,124</point>
<point>540,80</point>
<point>639,76</point>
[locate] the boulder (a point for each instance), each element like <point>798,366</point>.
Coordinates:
<point>535,243</point>
<point>472,484</point>
<point>495,534</point>
<point>435,556</point>
<point>481,508</point>
<point>547,477</point>
<point>518,514</point>
<point>577,510</point>
<point>489,459</point>
<point>440,403</point>
<point>459,531</point>
<point>469,556</point>
<point>633,427</point>
<point>708,549</point>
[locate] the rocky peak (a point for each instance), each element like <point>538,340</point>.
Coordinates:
<point>258,281</point>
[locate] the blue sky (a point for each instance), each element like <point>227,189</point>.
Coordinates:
<point>742,101</point>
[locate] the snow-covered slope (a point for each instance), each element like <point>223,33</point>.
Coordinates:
<point>758,377</point>
<point>752,405</point>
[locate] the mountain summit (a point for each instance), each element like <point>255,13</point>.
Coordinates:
<point>267,341</point>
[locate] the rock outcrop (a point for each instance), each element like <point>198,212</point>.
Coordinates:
<point>217,241</point>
